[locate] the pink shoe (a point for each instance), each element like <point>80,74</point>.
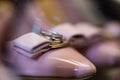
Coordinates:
<point>102,52</point>
<point>78,37</point>
<point>89,36</point>
<point>30,55</point>
<point>62,62</point>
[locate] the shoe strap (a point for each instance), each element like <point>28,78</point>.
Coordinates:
<point>31,44</point>
<point>66,29</point>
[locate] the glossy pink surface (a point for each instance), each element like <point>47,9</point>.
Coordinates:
<point>64,62</point>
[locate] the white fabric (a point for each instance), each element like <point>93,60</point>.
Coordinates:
<point>31,44</point>
<point>88,29</point>
<point>67,30</point>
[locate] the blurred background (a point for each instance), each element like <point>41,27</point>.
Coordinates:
<point>103,14</point>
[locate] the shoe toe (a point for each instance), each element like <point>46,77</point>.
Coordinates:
<point>63,62</point>
<point>66,62</point>
<point>104,54</point>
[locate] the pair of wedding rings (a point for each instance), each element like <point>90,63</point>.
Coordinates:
<point>57,40</point>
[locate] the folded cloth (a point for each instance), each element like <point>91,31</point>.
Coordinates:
<point>72,35</point>
<point>91,32</point>
<point>88,30</point>
<point>79,31</point>
<point>81,35</point>
<point>67,30</point>
<point>31,44</point>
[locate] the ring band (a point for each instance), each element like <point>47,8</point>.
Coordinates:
<point>57,40</point>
